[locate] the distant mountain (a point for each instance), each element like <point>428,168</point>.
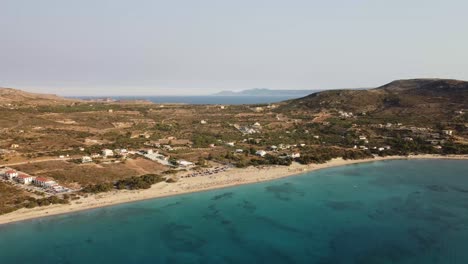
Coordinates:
<point>266,92</point>
<point>427,98</point>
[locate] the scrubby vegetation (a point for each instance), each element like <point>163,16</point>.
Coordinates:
<point>132,183</point>
<point>322,155</point>
<point>12,199</point>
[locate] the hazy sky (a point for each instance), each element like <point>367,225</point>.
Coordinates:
<point>115,47</point>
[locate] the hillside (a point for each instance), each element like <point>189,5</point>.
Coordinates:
<point>430,97</point>
<point>18,97</point>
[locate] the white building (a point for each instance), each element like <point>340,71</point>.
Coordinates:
<point>260,153</point>
<point>14,146</point>
<point>24,178</point>
<point>257,125</point>
<point>121,151</point>
<point>231,144</point>
<point>296,155</point>
<point>44,182</point>
<point>86,159</point>
<point>10,174</point>
<point>107,153</point>
<point>184,163</point>
<point>203,122</point>
<point>447,132</point>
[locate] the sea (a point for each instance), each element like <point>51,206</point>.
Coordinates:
<point>397,211</point>
<point>197,100</point>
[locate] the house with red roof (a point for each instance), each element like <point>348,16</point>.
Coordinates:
<point>44,182</point>
<point>24,178</point>
<point>10,174</point>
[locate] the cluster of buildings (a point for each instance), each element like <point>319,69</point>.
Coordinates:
<point>26,179</point>
<point>248,130</point>
<point>344,114</point>
<point>164,160</point>
<point>293,155</point>
<point>105,153</point>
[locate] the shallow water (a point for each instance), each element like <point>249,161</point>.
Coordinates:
<point>379,212</point>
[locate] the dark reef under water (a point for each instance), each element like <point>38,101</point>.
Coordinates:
<point>379,212</point>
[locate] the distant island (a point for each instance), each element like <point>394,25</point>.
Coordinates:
<point>266,92</point>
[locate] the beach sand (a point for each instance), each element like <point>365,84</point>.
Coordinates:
<point>232,177</point>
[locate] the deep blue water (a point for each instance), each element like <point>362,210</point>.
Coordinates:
<point>227,100</point>
<point>380,212</point>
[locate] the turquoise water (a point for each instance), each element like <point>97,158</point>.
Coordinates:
<point>380,212</point>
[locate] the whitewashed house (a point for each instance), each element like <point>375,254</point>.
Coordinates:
<point>86,159</point>
<point>10,174</point>
<point>44,182</point>
<point>121,151</point>
<point>184,163</point>
<point>296,155</point>
<point>261,153</point>
<point>107,153</point>
<point>447,132</point>
<point>14,146</point>
<point>24,179</point>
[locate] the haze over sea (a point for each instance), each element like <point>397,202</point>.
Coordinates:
<point>208,99</point>
<point>381,212</point>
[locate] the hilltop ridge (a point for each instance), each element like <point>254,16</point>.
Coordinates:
<point>15,96</point>
<point>438,97</point>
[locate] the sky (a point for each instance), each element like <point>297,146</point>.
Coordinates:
<point>189,47</point>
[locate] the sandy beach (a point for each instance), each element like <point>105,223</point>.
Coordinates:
<point>232,177</point>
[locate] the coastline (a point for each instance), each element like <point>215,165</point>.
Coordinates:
<point>230,178</point>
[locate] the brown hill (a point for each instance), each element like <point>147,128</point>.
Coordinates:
<point>18,97</point>
<point>439,97</point>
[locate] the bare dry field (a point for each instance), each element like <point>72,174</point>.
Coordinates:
<point>75,175</point>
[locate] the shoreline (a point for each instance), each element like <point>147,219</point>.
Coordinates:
<point>231,178</point>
